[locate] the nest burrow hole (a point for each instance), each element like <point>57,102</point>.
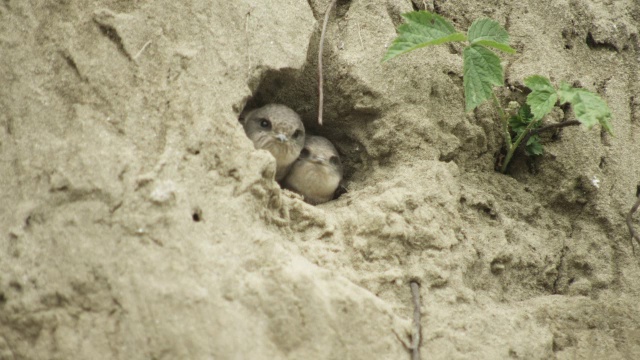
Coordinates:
<point>297,89</point>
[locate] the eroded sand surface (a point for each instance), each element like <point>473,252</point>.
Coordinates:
<point>138,222</point>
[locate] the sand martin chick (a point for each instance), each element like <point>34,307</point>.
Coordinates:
<point>317,172</point>
<point>279,130</point>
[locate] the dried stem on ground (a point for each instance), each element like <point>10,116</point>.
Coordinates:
<point>548,128</point>
<point>320,77</point>
<point>415,336</point>
<point>555,125</point>
<point>634,234</point>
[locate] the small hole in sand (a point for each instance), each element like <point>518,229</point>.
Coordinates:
<point>197,215</point>
<point>15,285</point>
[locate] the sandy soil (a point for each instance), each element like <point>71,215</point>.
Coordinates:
<point>138,222</point>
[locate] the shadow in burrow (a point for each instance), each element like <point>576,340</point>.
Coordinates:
<point>343,125</point>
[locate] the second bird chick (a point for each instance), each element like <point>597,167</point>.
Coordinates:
<point>279,130</point>
<point>317,172</point>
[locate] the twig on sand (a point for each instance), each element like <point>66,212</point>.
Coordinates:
<point>360,36</point>
<point>555,125</point>
<point>547,128</point>
<point>415,334</point>
<point>135,57</point>
<point>320,78</point>
<point>634,234</point>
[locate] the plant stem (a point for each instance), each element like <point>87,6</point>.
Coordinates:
<point>513,147</point>
<point>550,127</point>
<point>503,118</point>
<point>527,133</point>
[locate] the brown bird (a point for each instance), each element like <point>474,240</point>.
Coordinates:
<point>317,172</point>
<point>279,130</point>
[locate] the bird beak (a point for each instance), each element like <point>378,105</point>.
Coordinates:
<point>318,159</point>
<point>282,137</point>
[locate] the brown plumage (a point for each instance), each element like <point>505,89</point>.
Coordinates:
<point>279,130</point>
<point>317,172</point>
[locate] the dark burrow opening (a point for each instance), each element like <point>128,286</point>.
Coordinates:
<point>297,89</point>
<point>350,108</point>
<point>196,214</point>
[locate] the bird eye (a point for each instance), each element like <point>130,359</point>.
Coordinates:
<point>304,153</point>
<point>297,134</point>
<point>264,123</point>
<point>334,160</point>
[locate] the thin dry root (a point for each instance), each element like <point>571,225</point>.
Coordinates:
<point>634,234</point>
<point>415,336</point>
<point>320,77</point>
<point>548,128</point>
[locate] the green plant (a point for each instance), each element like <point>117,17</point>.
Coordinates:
<point>482,71</point>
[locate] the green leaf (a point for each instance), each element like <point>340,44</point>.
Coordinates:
<point>543,96</point>
<point>525,112</point>
<point>518,124</point>
<point>489,32</point>
<point>502,47</point>
<point>590,109</point>
<point>521,120</point>
<point>482,70</point>
<point>539,83</point>
<point>541,102</point>
<point>534,147</point>
<point>422,29</point>
<point>566,93</point>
